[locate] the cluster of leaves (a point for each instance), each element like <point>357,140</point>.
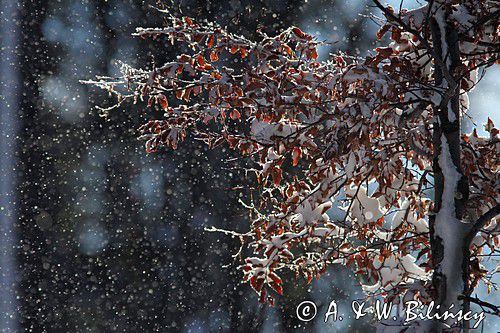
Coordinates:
<point>342,147</point>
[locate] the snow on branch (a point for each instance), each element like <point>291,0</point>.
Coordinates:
<point>342,147</point>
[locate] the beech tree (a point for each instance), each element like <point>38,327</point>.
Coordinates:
<point>375,140</point>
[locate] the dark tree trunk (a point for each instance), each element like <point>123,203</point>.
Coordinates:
<point>450,251</point>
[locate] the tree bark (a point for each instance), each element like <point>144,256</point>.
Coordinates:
<point>450,251</point>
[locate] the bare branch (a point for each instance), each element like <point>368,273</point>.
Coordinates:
<point>481,222</point>
<point>481,303</point>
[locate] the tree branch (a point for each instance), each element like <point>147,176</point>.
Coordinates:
<point>482,304</point>
<point>391,17</point>
<point>481,221</point>
<point>485,19</point>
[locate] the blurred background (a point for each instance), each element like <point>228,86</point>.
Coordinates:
<point>98,236</point>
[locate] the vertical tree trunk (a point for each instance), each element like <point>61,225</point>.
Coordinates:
<point>450,256</point>
<point>9,127</point>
